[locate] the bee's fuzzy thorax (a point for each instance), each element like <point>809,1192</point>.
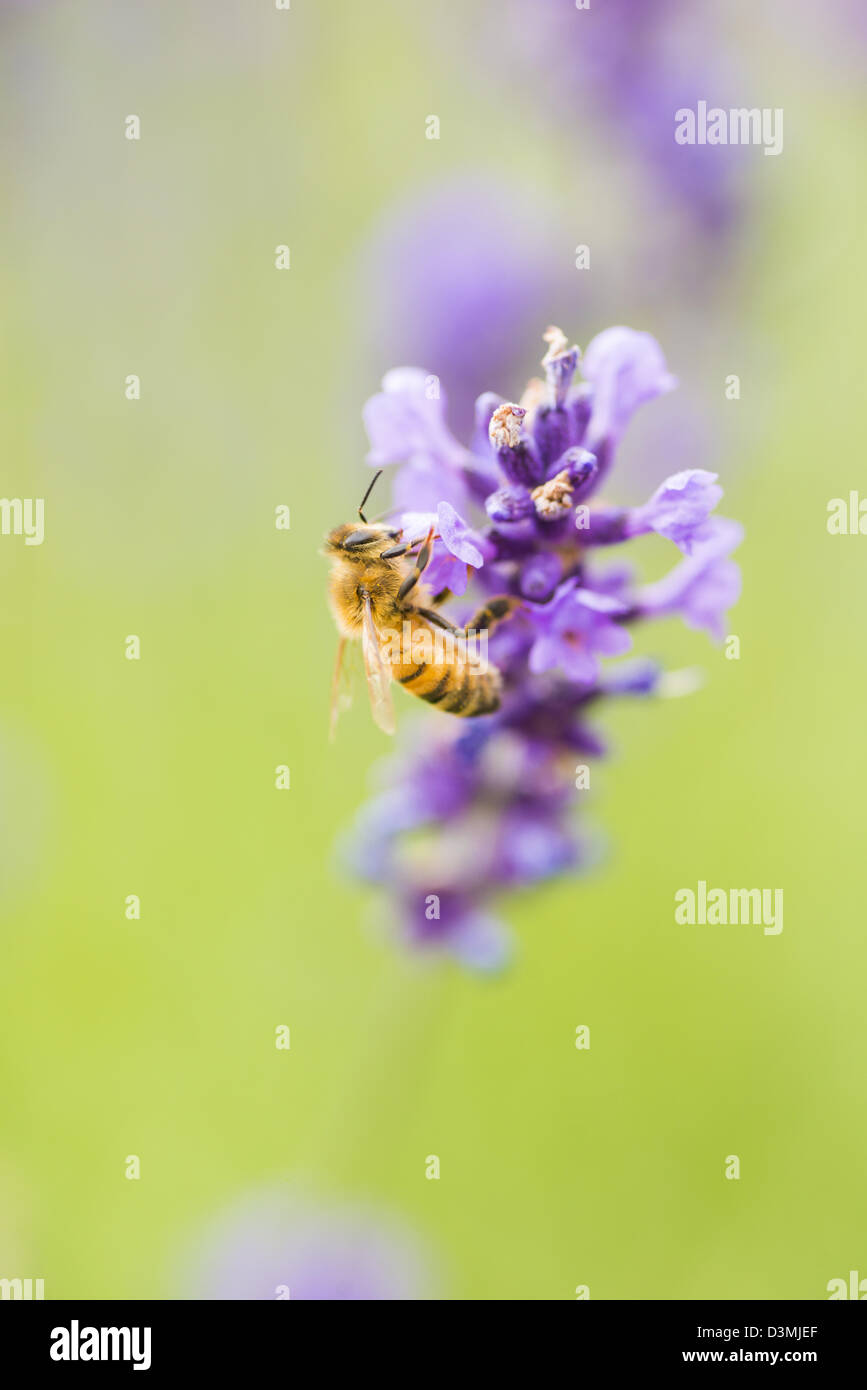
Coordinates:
<point>358,571</point>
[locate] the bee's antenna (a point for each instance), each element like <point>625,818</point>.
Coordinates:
<point>367,494</point>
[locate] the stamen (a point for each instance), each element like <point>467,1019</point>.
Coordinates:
<point>557,343</point>
<point>559,362</point>
<point>506,427</point>
<point>554,498</point>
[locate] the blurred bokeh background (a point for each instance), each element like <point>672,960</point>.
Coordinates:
<point>156,1037</point>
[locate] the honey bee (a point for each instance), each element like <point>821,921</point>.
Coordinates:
<point>374,592</point>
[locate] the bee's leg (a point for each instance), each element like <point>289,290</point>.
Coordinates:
<point>487,618</point>
<point>439,621</point>
<point>494,611</point>
<point>405,547</point>
<point>421,563</point>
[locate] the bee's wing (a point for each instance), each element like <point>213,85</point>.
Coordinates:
<point>378,673</point>
<point>339,698</point>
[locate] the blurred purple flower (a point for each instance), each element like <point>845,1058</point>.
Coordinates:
<point>457,275</point>
<point>406,421</point>
<point>633,63</point>
<point>278,1246</point>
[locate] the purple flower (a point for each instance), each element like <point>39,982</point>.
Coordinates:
<point>477,809</point>
<point>703,587</point>
<point>446,919</point>
<point>419,489</point>
<point>679,509</point>
<point>540,576</point>
<point>406,422</point>
<point>575,629</point>
<point>625,369</point>
<point>533,846</point>
<point>282,1245</point>
<point>457,547</point>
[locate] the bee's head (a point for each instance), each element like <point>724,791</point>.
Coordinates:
<point>360,538</point>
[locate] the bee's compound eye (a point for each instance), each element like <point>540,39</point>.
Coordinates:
<point>359,537</point>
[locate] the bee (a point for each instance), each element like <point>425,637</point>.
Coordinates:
<point>374,592</point>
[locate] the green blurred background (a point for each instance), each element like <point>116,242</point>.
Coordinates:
<point>156,1037</point>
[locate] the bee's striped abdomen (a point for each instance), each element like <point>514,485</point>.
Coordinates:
<point>458,688</point>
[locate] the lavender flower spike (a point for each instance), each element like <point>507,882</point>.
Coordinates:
<point>475,810</point>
